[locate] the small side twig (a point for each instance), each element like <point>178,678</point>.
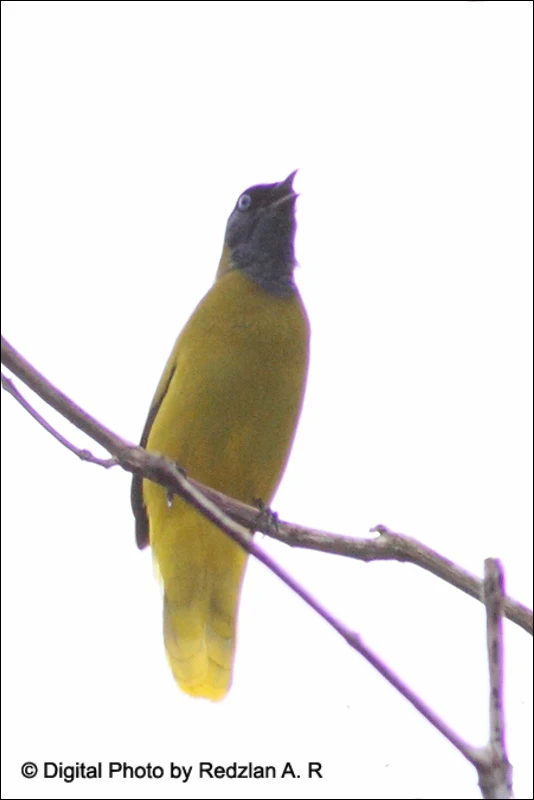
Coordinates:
<point>84,455</point>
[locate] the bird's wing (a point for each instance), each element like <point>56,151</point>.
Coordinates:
<point>138,505</point>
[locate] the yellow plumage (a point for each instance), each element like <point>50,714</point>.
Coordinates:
<point>226,410</point>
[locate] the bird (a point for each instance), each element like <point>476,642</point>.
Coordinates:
<point>226,411</point>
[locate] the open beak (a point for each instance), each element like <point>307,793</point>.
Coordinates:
<point>285,191</point>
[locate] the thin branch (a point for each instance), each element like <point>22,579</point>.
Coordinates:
<point>84,455</point>
<point>388,546</point>
<point>493,598</point>
<point>59,401</point>
<point>495,771</point>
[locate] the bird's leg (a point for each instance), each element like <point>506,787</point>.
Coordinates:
<point>266,516</point>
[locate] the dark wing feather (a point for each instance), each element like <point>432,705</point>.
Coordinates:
<point>142,536</point>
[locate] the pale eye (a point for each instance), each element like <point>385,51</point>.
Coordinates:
<point>244,202</point>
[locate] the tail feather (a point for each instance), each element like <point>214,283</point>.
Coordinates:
<point>201,660</point>
<point>200,608</point>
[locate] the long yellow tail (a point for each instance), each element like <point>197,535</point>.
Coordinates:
<point>202,585</point>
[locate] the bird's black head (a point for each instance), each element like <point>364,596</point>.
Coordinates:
<point>260,235</point>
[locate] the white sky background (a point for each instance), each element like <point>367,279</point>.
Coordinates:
<point>128,131</point>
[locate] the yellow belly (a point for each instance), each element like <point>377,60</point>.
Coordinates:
<point>230,400</point>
